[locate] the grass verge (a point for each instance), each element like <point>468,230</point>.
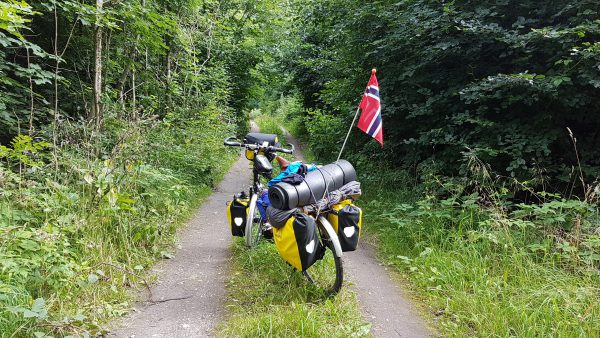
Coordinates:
<point>75,241</point>
<point>267,300</point>
<point>478,278</point>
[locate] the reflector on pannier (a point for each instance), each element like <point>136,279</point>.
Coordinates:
<point>298,241</point>
<point>237,212</point>
<point>346,219</point>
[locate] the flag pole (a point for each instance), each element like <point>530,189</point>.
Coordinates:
<point>342,149</point>
<point>373,71</point>
<point>348,134</point>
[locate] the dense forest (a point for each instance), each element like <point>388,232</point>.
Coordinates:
<point>112,116</point>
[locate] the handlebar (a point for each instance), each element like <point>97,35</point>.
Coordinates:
<point>232,141</point>
<point>228,142</point>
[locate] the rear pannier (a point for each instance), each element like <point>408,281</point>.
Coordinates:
<point>237,211</point>
<point>298,241</point>
<point>346,219</point>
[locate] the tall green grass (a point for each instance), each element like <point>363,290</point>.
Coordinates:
<point>267,299</point>
<point>479,270</point>
<point>74,242</point>
<point>270,124</point>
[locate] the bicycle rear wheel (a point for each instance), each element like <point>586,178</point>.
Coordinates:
<point>254,223</point>
<point>328,273</point>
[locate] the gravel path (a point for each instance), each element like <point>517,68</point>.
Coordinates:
<point>382,301</point>
<point>189,294</point>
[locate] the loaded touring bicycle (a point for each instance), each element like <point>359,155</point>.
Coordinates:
<point>313,236</point>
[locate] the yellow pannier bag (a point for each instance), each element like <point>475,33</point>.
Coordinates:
<point>237,212</point>
<point>297,241</point>
<point>346,219</point>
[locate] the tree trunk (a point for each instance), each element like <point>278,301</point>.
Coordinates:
<point>96,116</point>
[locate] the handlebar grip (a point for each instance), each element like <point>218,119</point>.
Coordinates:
<point>283,150</point>
<point>228,142</point>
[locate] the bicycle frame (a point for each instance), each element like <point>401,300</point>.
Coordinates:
<point>256,185</point>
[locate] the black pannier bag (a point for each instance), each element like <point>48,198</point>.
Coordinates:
<point>298,242</point>
<point>346,219</point>
<point>278,217</point>
<point>237,212</point>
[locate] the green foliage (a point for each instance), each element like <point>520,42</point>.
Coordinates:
<point>73,241</point>
<point>13,17</point>
<point>488,272</point>
<point>270,124</point>
<point>501,78</point>
<point>323,131</point>
<point>24,151</point>
<point>84,211</point>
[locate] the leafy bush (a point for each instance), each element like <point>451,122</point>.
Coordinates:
<point>503,79</point>
<point>74,239</point>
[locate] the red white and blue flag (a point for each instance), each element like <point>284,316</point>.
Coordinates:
<point>370,118</point>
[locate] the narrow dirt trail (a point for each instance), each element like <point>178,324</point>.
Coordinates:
<point>382,301</point>
<point>187,300</point>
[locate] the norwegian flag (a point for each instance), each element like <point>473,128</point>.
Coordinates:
<point>370,119</point>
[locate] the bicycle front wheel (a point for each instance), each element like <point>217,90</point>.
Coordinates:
<point>253,223</point>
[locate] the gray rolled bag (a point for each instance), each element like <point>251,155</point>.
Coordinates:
<point>333,176</point>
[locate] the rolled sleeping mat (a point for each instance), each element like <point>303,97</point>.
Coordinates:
<point>348,170</point>
<point>333,176</point>
<point>283,194</point>
<point>336,173</point>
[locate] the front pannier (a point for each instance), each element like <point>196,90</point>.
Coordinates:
<point>346,219</point>
<point>298,241</point>
<point>237,212</point>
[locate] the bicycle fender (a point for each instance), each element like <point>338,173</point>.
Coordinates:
<point>332,235</point>
<point>249,218</point>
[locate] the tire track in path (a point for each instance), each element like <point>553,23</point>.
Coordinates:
<point>382,301</point>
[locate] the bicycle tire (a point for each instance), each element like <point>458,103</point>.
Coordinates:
<point>253,223</point>
<point>330,287</point>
